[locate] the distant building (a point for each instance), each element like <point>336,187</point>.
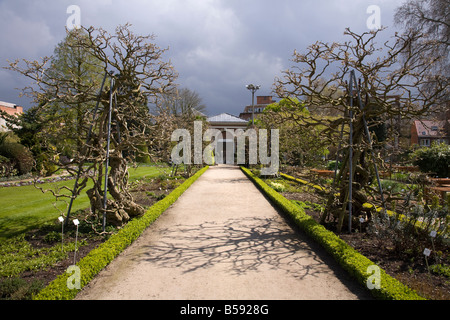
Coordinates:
<point>261,103</point>
<point>227,124</point>
<point>425,132</point>
<point>11,109</point>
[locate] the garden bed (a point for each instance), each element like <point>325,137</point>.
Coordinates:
<point>408,266</point>
<point>22,285</point>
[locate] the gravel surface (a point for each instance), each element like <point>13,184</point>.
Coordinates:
<point>223,240</point>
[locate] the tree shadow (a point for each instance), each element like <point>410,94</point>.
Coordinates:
<point>239,245</point>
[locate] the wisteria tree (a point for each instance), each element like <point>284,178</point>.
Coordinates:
<point>394,80</point>
<point>104,94</point>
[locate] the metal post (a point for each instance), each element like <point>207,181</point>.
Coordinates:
<point>107,152</point>
<point>350,178</point>
<point>253,88</point>
<point>87,141</point>
<point>253,107</point>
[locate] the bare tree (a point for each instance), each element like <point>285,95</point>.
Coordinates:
<point>134,76</point>
<point>432,19</point>
<point>183,102</point>
<point>395,69</point>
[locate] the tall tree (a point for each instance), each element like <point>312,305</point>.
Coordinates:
<point>183,102</point>
<point>79,74</point>
<point>300,144</point>
<point>431,18</point>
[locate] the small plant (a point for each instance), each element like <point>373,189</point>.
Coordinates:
<point>52,236</point>
<point>278,186</point>
<point>19,289</point>
<point>441,269</point>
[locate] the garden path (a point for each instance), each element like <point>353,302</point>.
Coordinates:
<point>222,239</point>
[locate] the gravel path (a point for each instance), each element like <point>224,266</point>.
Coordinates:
<point>223,240</point>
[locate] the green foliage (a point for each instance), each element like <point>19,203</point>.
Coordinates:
<point>300,144</point>
<point>434,159</point>
<point>142,155</point>
<point>17,255</point>
<point>332,165</point>
<point>52,236</point>
<point>279,187</point>
<point>309,205</point>
<point>284,105</point>
<point>351,260</point>
<point>19,289</point>
<point>304,182</point>
<point>100,257</point>
<point>441,269</point>
<point>19,155</point>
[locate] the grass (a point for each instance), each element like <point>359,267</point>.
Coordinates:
<point>26,207</point>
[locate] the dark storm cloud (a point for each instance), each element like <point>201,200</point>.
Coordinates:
<point>217,47</point>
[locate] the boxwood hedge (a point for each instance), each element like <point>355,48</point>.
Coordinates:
<point>100,257</point>
<point>351,260</point>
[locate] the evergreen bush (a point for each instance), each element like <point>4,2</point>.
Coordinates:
<point>19,154</point>
<point>434,159</point>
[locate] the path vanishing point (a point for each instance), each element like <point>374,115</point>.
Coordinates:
<point>223,240</point>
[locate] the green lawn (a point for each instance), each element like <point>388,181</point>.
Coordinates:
<point>26,207</point>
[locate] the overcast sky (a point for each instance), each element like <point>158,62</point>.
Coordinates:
<point>216,46</point>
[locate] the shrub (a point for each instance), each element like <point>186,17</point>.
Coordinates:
<point>20,154</point>
<point>435,159</point>
<point>7,167</point>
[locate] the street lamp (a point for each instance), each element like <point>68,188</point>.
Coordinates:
<point>253,88</point>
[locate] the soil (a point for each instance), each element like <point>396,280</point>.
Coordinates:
<point>145,194</point>
<point>409,269</point>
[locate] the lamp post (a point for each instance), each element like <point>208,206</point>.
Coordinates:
<point>253,89</point>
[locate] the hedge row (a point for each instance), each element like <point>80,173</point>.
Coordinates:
<point>351,260</point>
<point>312,185</point>
<point>100,257</point>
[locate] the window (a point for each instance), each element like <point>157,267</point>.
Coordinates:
<point>424,133</point>
<point>425,142</point>
<point>434,128</point>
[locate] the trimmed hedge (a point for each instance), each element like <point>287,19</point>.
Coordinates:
<point>351,260</point>
<point>101,256</point>
<point>312,185</point>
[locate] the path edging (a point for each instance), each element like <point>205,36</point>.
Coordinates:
<point>351,260</point>
<point>101,256</point>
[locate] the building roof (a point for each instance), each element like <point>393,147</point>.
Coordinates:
<point>427,128</point>
<point>10,108</point>
<point>7,104</point>
<point>226,118</point>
